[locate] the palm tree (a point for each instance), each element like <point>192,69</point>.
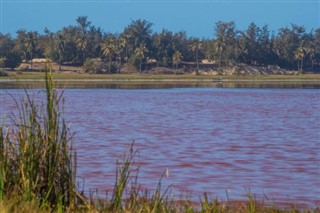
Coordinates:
<point>139,54</point>
<point>195,47</point>
<point>177,58</point>
<point>219,47</point>
<point>82,40</point>
<point>30,44</point>
<point>82,44</point>
<point>119,49</point>
<point>311,52</point>
<point>60,43</point>
<point>108,49</point>
<point>300,54</point>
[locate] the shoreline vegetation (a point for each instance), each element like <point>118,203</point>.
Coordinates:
<point>76,76</point>
<point>38,170</point>
<point>144,81</point>
<point>86,48</point>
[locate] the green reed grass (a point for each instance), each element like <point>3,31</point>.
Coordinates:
<point>37,154</point>
<point>123,174</point>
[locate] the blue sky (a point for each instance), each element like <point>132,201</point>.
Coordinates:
<point>196,17</point>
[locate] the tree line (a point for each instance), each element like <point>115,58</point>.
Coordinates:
<point>81,44</point>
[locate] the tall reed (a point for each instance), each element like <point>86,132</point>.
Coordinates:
<point>37,154</point>
<point>123,173</point>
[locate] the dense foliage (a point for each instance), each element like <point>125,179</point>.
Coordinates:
<point>137,46</point>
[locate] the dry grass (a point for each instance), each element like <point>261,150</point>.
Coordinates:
<point>150,77</point>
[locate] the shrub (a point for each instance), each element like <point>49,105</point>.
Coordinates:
<point>89,66</point>
<point>13,60</point>
<point>2,62</point>
<point>3,73</point>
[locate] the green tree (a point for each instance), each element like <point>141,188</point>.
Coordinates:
<point>299,55</point>
<point>94,36</point>
<point>163,47</point>
<point>316,40</point>
<point>31,44</point>
<point>225,41</point>
<point>177,58</point>
<point>82,38</point>
<point>208,49</point>
<point>265,55</point>
<point>286,44</point>
<point>45,44</point>
<point>137,33</point>
<point>140,54</point>
<point>120,49</point>
<point>6,45</point>
<point>71,52</point>
<point>60,45</point>
<point>311,49</point>
<point>83,24</point>
<point>9,55</point>
<point>109,48</point>
<point>195,47</point>
<point>20,43</point>
<point>249,45</point>
<point>82,44</point>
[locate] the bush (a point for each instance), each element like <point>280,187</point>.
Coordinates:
<point>3,73</point>
<point>13,60</point>
<point>88,66</point>
<point>2,62</point>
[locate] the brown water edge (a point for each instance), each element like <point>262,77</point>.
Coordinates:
<point>260,203</point>
<point>188,198</point>
<point>137,84</point>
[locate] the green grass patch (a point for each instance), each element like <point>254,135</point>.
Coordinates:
<point>152,77</point>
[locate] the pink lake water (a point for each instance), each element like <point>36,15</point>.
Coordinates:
<point>226,142</point>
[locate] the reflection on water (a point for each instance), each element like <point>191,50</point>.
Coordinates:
<point>159,85</point>
<point>208,139</point>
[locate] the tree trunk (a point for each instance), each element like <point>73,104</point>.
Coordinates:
<point>60,61</point>
<point>140,65</point>
<point>119,68</point>
<point>31,61</point>
<point>197,59</point>
<point>220,60</point>
<point>109,64</point>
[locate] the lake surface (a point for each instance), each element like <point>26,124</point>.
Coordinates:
<point>215,140</point>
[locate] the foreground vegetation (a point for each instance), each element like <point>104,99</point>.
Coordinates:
<point>38,169</point>
<point>138,48</point>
